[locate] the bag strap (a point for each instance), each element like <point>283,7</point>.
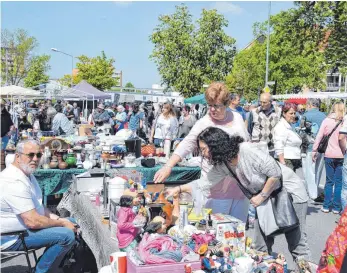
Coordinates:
<point>337,125</point>
<point>245,191</point>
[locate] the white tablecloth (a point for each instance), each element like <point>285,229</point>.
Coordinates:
<point>96,234</point>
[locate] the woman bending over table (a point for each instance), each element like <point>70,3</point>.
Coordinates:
<point>259,174</point>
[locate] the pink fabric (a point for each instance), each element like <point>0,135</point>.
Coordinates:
<point>333,150</point>
<point>227,189</point>
<point>161,243</point>
<point>126,231</point>
<point>201,239</point>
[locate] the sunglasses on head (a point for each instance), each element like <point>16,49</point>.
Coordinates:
<point>31,155</point>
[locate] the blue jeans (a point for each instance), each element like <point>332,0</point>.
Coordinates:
<point>4,142</point>
<point>344,184</point>
<point>57,240</point>
<point>333,168</point>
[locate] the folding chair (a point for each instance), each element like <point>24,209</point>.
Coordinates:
<point>11,254</point>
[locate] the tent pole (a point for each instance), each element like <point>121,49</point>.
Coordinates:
<point>82,107</point>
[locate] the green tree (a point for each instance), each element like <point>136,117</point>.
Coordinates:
<point>187,56</point>
<point>16,55</point>
<point>37,71</point>
<point>325,22</point>
<point>248,72</point>
<point>66,80</point>
<point>216,50</point>
<point>295,59</point>
<point>97,71</point>
<point>129,85</point>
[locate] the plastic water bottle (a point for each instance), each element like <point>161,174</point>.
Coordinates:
<point>144,182</point>
<point>167,148</point>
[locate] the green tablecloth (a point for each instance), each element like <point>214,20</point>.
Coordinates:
<point>55,181</point>
<point>177,173</point>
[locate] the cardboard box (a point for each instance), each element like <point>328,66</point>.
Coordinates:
<point>85,130</point>
<point>229,230</point>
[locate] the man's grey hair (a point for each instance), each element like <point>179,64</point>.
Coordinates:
<point>314,102</point>
<point>121,107</point>
<point>21,144</point>
<point>51,111</point>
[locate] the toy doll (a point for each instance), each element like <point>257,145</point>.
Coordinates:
<point>207,264</point>
<point>126,230</point>
<point>225,266</point>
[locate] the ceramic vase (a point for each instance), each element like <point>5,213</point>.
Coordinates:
<point>62,164</point>
<point>87,164</point>
<point>54,162</point>
<point>71,160</point>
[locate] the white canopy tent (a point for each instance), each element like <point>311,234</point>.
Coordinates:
<point>18,91</point>
<point>308,95</point>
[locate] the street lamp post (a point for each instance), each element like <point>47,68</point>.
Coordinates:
<point>56,50</point>
<point>268,46</point>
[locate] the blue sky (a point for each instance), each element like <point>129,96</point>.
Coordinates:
<point>121,29</point>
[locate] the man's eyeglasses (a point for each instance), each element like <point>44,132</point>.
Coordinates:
<point>215,106</point>
<point>31,155</point>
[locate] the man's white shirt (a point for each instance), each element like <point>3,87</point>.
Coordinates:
<point>19,194</point>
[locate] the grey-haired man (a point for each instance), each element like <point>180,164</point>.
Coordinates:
<point>22,208</point>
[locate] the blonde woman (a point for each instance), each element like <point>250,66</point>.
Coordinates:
<point>333,158</point>
<point>226,197</point>
<point>165,126</point>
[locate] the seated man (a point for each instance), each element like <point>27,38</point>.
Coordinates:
<point>21,208</point>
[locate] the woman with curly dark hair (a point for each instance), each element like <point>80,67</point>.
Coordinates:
<point>259,176</point>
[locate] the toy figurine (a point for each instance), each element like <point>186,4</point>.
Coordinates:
<point>304,266</point>
<point>277,266</point>
<point>216,261</point>
<point>225,266</point>
<point>232,255</point>
<point>207,264</point>
<point>126,230</point>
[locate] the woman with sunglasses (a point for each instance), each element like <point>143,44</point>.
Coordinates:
<point>259,175</point>
<point>226,197</point>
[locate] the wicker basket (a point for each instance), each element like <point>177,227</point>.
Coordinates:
<point>147,150</point>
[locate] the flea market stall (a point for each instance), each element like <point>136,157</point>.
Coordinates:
<point>107,186</point>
